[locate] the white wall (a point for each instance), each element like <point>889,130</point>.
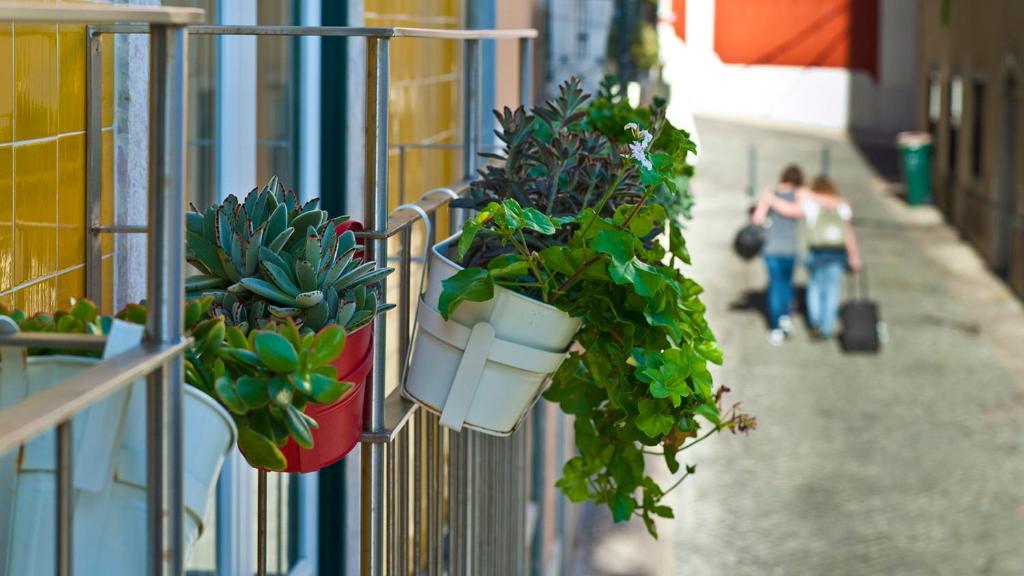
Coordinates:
<point>817,97</point>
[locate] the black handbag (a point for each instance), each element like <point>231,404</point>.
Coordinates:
<point>749,241</point>
<point>860,318</point>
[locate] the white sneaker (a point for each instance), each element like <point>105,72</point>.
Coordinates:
<point>777,337</point>
<point>786,324</point>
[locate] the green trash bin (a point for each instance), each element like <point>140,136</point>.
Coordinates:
<point>916,150</point>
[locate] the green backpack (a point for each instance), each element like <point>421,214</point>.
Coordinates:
<point>827,230</point>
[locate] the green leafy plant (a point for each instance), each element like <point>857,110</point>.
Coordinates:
<point>610,112</point>
<point>270,258</point>
<point>569,217</point>
<point>264,377</point>
<point>82,318</point>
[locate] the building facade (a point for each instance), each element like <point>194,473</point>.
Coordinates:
<point>835,64</point>
<point>969,99</point>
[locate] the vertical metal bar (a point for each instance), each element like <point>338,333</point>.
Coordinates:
<point>538,485</point>
<point>402,478</point>
<point>526,72</point>
<point>457,525</point>
<point>752,171</point>
<point>376,200</point>
<point>404,299</point>
<point>401,172</point>
<point>65,504</point>
<point>168,75</point>
<point>94,167</point>
<point>826,159</point>
<point>441,545</point>
<point>433,493</point>
<point>470,107</point>
<point>261,523</point>
<point>420,463</point>
<point>391,535</point>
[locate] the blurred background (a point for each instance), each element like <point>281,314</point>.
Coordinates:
<point>904,461</point>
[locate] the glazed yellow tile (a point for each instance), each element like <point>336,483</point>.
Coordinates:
<point>72,78</point>
<point>6,217</point>
<point>7,90</point>
<point>35,81</point>
<point>107,195</point>
<point>108,79</point>
<point>38,297</point>
<point>35,210</point>
<point>71,200</point>
<point>70,285</point>
<point>107,297</point>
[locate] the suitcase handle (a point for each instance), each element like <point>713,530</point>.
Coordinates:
<point>861,291</point>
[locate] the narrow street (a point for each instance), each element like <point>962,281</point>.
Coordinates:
<point>908,462</point>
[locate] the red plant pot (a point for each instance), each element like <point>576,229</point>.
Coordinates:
<point>340,423</point>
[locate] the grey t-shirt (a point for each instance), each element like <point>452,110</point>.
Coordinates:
<point>780,237</point>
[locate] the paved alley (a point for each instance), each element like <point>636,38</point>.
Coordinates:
<point>909,462</point>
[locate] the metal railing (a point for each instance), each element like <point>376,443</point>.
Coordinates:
<point>159,358</point>
<point>433,501</point>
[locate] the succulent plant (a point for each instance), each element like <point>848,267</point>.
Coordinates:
<point>264,378</point>
<point>270,258</point>
<point>82,318</point>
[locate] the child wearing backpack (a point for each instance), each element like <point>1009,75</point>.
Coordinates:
<point>832,247</point>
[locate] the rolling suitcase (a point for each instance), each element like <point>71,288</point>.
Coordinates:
<point>860,319</point>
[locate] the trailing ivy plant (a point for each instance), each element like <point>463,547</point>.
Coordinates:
<point>610,112</point>
<point>568,216</point>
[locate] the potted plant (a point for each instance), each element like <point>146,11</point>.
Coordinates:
<point>270,259</point>
<point>109,451</point>
<point>610,113</point>
<point>567,220</point>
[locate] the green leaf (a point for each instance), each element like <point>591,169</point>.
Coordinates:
<point>508,266</point>
<point>469,232</point>
<point>280,391</point>
<point>269,291</point>
<point>538,221</point>
<point>225,389</point>
<point>276,352</point>
<point>512,214</point>
<point>616,243</point>
<point>260,451</point>
<point>470,284</point>
<point>326,389</point>
<point>326,346</point>
<point>298,427</point>
<point>252,391</point>
<point>622,507</point>
<point>654,420</point>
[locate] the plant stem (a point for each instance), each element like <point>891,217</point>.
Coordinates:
<point>673,487</point>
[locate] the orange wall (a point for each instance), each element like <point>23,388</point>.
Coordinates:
<point>820,33</point>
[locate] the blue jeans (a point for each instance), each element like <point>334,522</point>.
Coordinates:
<point>826,269</point>
<point>780,286</point>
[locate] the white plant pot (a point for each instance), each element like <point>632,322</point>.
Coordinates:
<point>109,444</point>
<point>485,367</point>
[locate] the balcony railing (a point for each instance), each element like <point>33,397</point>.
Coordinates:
<point>433,501</point>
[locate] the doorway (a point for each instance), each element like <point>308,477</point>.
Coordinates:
<point>1007,221</point>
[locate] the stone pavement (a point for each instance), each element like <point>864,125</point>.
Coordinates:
<point>909,462</point>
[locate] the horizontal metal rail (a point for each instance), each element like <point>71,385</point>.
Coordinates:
<point>99,13</point>
<point>53,341</point>
<point>397,412</point>
<point>37,414</point>
<point>336,31</point>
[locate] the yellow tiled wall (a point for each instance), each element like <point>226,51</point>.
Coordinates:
<point>42,164</point>
<point>425,92</point>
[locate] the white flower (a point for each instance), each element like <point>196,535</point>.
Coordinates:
<point>638,149</point>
